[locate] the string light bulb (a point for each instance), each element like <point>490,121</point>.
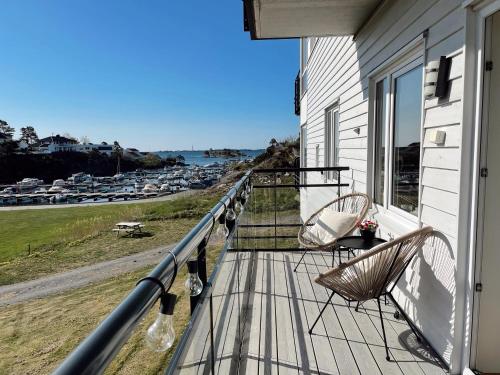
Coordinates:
<point>193,283</point>
<point>160,335</point>
<point>230,214</point>
<point>239,205</point>
<point>222,231</point>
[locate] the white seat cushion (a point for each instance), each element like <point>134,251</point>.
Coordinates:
<point>330,225</point>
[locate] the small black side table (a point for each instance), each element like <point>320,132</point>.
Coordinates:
<point>350,243</point>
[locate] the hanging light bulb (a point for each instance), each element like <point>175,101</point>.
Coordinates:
<point>230,214</point>
<point>160,335</point>
<point>222,232</point>
<point>238,205</point>
<point>193,283</point>
<point>248,190</point>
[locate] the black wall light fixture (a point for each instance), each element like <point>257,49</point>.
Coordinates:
<point>442,83</point>
<point>437,78</point>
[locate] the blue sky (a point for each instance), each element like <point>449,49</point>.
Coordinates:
<point>154,74</point>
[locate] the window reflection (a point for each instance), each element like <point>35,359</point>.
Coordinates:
<point>406,145</point>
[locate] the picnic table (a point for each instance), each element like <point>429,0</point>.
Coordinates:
<point>129,228</point>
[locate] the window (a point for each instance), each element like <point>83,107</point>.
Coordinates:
<point>303,153</point>
<point>396,163</point>
<point>331,139</point>
<point>303,146</point>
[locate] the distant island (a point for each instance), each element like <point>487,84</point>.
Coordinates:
<point>223,153</point>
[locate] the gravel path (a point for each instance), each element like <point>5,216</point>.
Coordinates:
<point>60,282</point>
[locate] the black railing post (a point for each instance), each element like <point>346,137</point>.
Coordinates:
<point>202,261</point>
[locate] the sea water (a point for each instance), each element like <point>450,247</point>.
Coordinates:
<point>198,157</point>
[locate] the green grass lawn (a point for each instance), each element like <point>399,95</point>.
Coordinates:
<point>39,242</point>
<point>36,336</point>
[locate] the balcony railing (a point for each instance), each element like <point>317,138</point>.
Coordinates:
<point>249,288</point>
<point>96,352</point>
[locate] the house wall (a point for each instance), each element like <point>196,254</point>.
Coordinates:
<point>339,68</point>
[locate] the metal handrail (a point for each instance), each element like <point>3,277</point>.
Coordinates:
<point>95,353</point>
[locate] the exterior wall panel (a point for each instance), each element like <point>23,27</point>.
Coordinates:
<point>340,69</point>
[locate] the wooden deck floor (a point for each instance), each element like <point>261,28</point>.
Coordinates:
<point>262,313</point>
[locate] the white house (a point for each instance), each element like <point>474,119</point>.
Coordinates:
<point>59,143</point>
<point>406,93</point>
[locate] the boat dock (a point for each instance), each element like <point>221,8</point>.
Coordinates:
<point>45,198</point>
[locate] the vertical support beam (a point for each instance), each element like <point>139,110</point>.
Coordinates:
<point>275,188</point>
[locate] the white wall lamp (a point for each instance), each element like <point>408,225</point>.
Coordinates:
<point>436,78</point>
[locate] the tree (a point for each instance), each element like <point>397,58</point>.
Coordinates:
<point>8,148</point>
<point>84,140</point>
<point>273,142</point>
<point>118,154</point>
<point>5,128</point>
<point>28,135</point>
<point>151,161</point>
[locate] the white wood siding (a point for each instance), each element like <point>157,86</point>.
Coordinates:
<point>339,69</point>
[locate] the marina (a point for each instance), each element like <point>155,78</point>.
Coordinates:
<point>139,184</point>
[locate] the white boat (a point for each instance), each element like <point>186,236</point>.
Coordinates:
<point>165,188</point>
<point>8,190</point>
<point>150,188</point>
<point>56,189</point>
<point>30,182</point>
<point>40,191</point>
<point>59,182</point>
<point>138,185</point>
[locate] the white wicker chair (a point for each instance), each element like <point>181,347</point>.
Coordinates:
<point>353,203</point>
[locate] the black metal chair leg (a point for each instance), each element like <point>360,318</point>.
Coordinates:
<point>321,313</point>
<point>357,307</point>
<point>383,330</point>
<point>302,257</point>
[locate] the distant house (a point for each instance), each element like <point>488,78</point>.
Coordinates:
<point>56,143</point>
<point>59,143</point>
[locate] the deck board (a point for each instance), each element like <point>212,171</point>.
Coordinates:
<point>263,311</point>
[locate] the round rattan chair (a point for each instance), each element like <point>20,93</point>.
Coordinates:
<point>374,273</point>
<point>353,203</point>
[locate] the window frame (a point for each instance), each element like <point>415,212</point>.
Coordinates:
<point>331,139</point>
<point>391,73</point>
<point>303,153</point>
<point>307,45</point>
